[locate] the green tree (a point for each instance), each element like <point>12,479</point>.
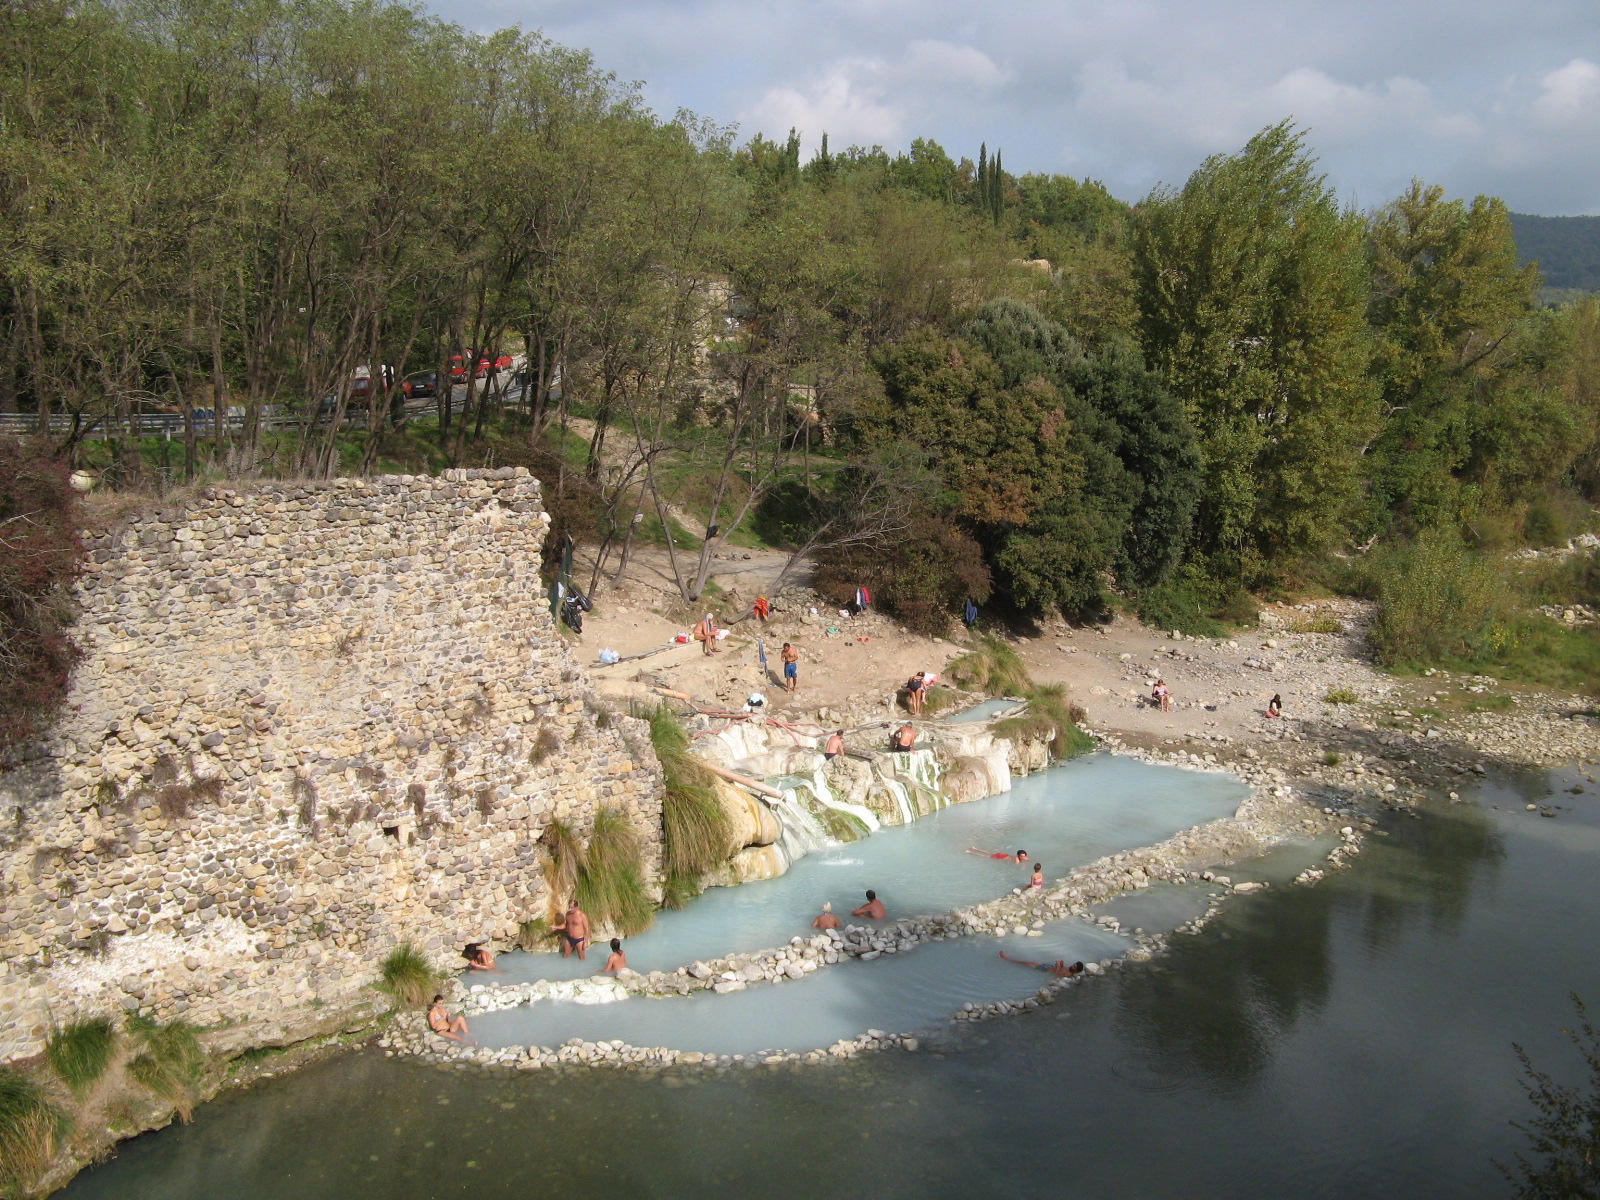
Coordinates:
<point>1448,301</point>
<point>1252,290</point>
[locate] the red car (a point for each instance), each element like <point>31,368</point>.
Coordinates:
<point>486,364</point>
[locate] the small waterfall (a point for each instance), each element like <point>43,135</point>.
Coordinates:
<point>800,832</point>
<point>859,820</point>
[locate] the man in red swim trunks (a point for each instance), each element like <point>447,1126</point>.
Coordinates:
<point>1020,857</point>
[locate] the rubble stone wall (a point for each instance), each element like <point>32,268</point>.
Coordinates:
<point>312,721</point>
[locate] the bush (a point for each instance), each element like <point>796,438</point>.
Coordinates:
<point>993,667</point>
<point>1438,601</point>
<point>169,1065</point>
<point>407,977</point>
<point>30,1127</point>
<point>81,1051</point>
<point>40,556</point>
<point>1564,1131</point>
<point>1340,696</point>
<point>611,881</point>
<point>1195,604</point>
<point>921,578</point>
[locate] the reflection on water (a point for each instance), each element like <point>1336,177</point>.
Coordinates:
<point>1286,1051</point>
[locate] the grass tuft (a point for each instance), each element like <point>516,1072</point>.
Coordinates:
<point>611,881</point>
<point>80,1052</point>
<point>1050,713</point>
<point>1317,625</point>
<point>1340,696</point>
<point>534,934</point>
<point>678,890</point>
<point>30,1127</point>
<point>563,860</point>
<point>169,1064</point>
<point>993,667</point>
<point>697,833</point>
<point>407,976</point>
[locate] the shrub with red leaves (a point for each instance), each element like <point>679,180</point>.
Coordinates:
<point>40,555</point>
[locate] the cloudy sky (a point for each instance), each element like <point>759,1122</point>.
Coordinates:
<point>1491,96</point>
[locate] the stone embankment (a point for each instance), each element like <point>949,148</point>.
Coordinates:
<point>312,721</point>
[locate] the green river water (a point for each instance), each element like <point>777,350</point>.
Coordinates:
<point>1349,1039</point>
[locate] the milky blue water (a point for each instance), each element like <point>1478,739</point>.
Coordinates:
<point>1064,817</point>
<point>981,712</point>
<point>897,993</point>
<point>1347,1040</point>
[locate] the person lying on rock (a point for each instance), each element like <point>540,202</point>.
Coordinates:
<point>442,1023</point>
<point>1020,857</point>
<point>574,931</point>
<point>1060,967</point>
<point>826,919</point>
<point>873,909</point>
<point>479,958</point>
<point>617,962</point>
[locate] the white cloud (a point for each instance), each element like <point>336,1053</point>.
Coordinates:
<point>1471,94</point>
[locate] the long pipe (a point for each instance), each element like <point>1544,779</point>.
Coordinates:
<point>755,785</point>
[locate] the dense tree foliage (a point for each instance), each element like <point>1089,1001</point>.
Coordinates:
<point>942,378</point>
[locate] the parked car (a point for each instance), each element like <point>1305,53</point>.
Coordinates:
<point>420,385</point>
<point>485,363</point>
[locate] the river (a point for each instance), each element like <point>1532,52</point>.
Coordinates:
<point>1353,1038</point>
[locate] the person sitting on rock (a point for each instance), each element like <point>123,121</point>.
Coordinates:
<point>479,958</point>
<point>1058,968</point>
<point>1020,857</point>
<point>574,930</point>
<point>834,746</point>
<point>873,909</point>
<point>442,1023</point>
<point>1037,882</point>
<point>617,962</point>
<point>1162,695</point>
<point>903,738</point>
<point>826,919</point>
<point>1275,706</point>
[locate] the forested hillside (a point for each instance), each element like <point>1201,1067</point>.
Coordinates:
<point>1567,249</point>
<point>932,374</point>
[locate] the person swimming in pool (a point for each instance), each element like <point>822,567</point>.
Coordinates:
<point>1060,968</point>
<point>1020,857</point>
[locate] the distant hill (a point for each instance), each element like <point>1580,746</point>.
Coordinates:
<point>1567,249</point>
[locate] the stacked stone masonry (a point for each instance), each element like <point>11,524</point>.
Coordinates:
<point>312,721</point>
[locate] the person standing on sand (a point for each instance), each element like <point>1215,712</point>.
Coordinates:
<point>826,919</point>
<point>574,931</point>
<point>791,667</point>
<point>915,687</point>
<point>873,909</point>
<point>617,962</point>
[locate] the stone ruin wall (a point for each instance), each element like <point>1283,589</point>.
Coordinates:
<point>311,721</point>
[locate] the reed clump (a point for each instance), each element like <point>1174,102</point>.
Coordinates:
<point>611,880</point>
<point>407,977</point>
<point>169,1062</point>
<point>697,832</point>
<point>31,1126</point>
<point>80,1052</point>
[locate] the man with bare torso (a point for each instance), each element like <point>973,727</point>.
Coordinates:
<point>873,909</point>
<point>1061,969</point>
<point>574,931</point>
